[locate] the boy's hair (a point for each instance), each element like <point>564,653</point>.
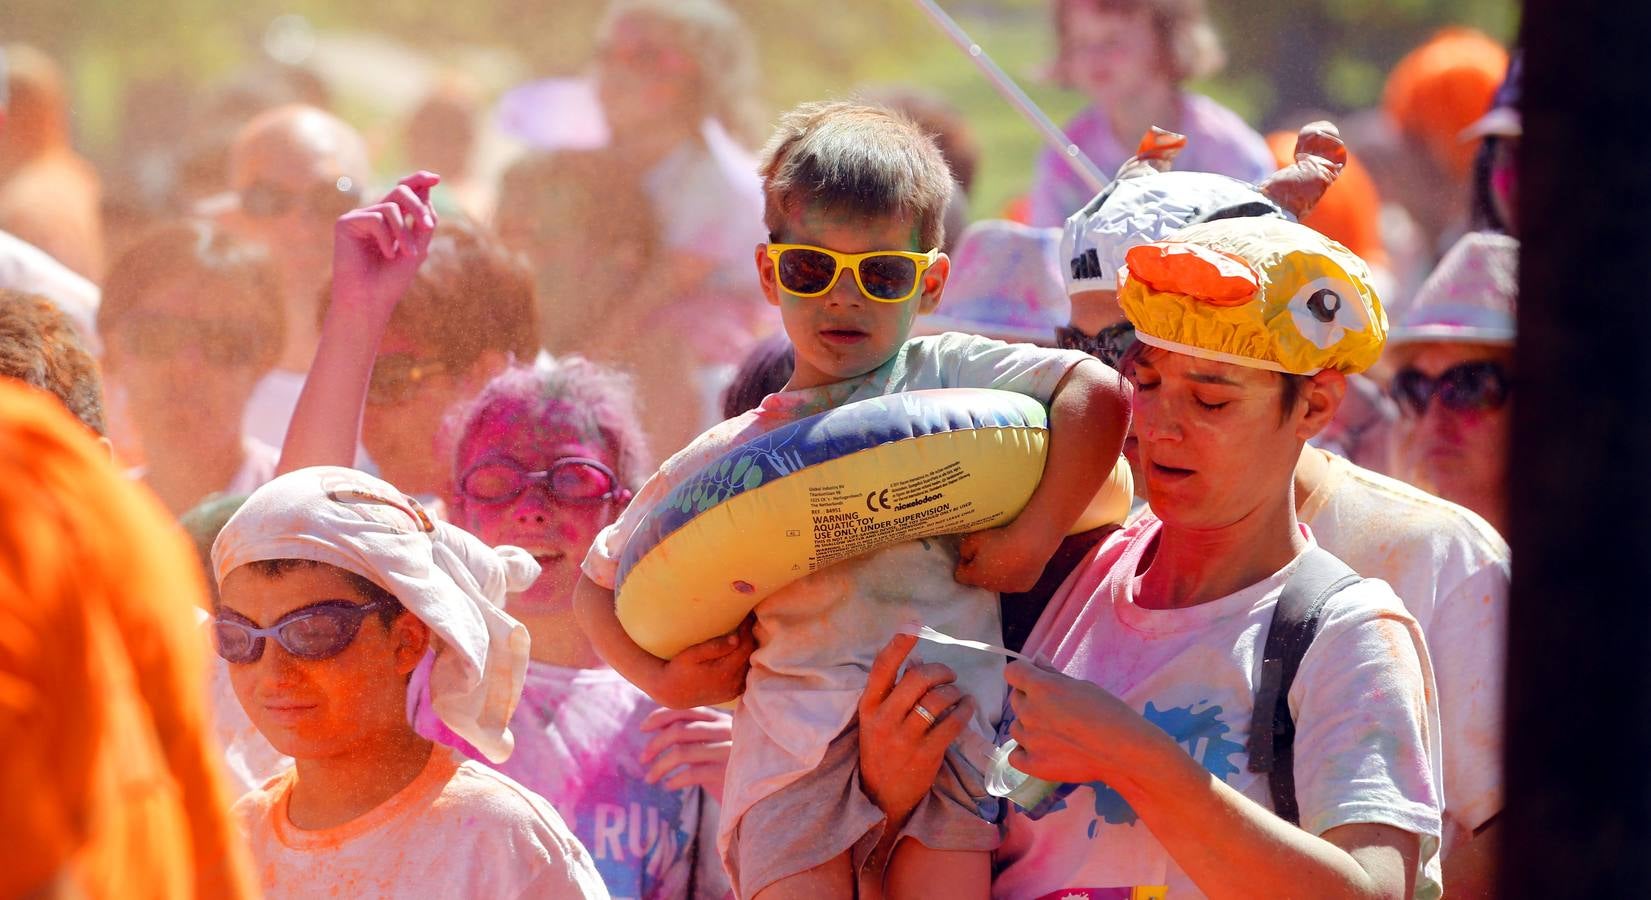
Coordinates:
<point>596,401</point>
<point>365,589</point>
<point>940,119</point>
<point>861,160</point>
<point>232,279</point>
<point>723,49</point>
<point>471,295</point>
<point>1188,43</point>
<point>39,347</point>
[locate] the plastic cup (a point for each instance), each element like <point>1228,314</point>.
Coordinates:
<point>1006,781</point>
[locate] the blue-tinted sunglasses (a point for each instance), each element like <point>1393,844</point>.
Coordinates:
<point>319,631</point>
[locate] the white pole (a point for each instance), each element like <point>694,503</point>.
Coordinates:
<point>1017,98</point>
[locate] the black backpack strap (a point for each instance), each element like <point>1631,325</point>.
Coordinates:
<point>1295,623</point>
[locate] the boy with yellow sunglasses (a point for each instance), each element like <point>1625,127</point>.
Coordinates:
<point>854,198</point>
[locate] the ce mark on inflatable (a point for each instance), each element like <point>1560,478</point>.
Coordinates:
<point>879,500</point>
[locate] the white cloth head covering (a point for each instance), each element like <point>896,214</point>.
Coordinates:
<point>1144,207</point>
<point>1470,297</point>
<point>449,579</point>
<point>1005,284</point>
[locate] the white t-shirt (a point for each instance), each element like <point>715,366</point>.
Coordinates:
<point>31,270</point>
<point>269,409</point>
<point>1366,744</point>
<point>458,830</point>
<point>817,636</point>
<point>257,470</point>
<point>1451,570</point>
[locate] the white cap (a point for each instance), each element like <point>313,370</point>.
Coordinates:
<point>1005,284</point>
<point>1470,297</point>
<point>1143,208</point>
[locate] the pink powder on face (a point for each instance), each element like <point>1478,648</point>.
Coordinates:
<point>534,435</point>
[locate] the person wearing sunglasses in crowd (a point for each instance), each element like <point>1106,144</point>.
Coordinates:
<point>332,588</point>
<point>1451,365</point>
<point>542,458</point>
<point>547,456</point>
<point>293,170</point>
<point>854,204</point>
<point>190,321</point>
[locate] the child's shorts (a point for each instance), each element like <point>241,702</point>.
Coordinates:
<point>823,814</point>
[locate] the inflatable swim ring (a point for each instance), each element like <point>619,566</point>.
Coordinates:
<point>848,481</point>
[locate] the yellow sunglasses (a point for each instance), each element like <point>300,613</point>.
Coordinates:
<point>886,276</point>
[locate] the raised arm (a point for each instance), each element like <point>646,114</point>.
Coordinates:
<point>1088,421</point>
<point>376,252</point>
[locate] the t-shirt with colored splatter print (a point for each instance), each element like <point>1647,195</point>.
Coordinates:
<point>1366,745</point>
<point>579,745</point>
<point>459,829</point>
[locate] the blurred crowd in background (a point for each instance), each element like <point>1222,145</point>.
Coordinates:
<point>625,182</point>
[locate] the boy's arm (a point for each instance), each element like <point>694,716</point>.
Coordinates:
<point>1088,421</point>
<point>707,673</point>
<point>376,252</point>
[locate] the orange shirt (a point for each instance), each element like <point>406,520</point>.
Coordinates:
<point>109,783</point>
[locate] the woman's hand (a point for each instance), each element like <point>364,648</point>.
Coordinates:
<point>690,747</point>
<point>900,749</point>
<point>1071,730</point>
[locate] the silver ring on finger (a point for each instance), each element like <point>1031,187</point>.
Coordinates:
<point>923,713</point>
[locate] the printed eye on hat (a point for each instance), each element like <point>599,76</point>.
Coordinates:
<point>1264,293</point>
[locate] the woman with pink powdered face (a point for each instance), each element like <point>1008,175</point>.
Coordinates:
<point>547,455</point>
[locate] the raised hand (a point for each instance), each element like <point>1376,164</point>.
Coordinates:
<point>377,249</point>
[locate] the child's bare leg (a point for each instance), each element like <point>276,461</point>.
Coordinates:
<point>833,878</point>
<point>918,871</point>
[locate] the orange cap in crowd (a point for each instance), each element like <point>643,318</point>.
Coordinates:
<point>110,782</point>
<point>1350,211</point>
<point>1442,87</point>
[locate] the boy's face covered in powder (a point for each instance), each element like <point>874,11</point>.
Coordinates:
<point>311,709</point>
<point>556,529</point>
<point>843,334</point>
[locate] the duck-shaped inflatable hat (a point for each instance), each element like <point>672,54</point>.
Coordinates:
<point>1259,292</point>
